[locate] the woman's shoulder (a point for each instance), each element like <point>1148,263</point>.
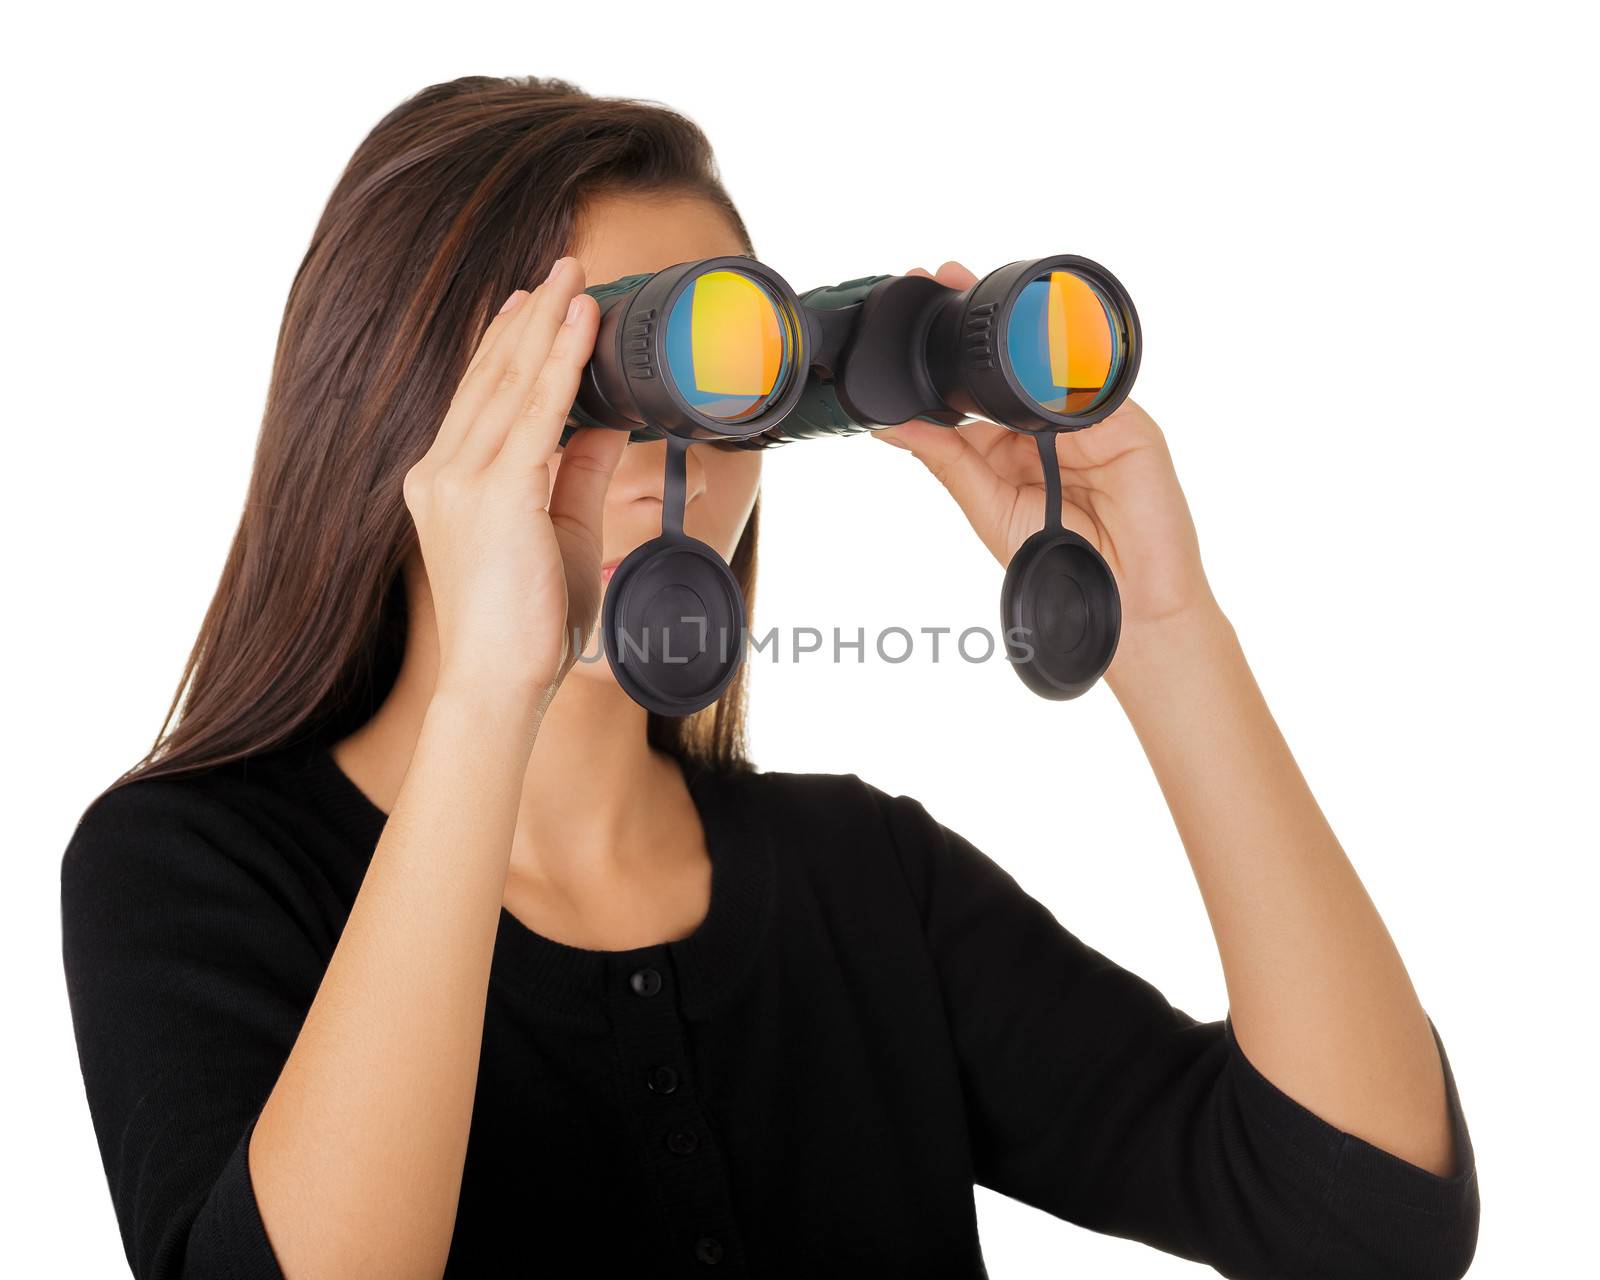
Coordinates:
<point>814,799</point>
<point>843,824</point>
<point>243,788</point>
<point>840,815</point>
<point>198,892</point>
<point>167,826</point>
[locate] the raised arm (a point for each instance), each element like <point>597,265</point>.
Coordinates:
<point>1320,999</point>
<point>1318,995</point>
<point>357,1157</point>
<point>354,1163</point>
<point>1321,1004</point>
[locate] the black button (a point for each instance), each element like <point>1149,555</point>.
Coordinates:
<point>708,1250</point>
<point>645,982</point>
<point>662,1080</point>
<point>682,1143</point>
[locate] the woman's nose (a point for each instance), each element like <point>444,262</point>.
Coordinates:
<point>642,473</point>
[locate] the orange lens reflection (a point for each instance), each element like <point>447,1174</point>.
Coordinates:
<point>1064,345</point>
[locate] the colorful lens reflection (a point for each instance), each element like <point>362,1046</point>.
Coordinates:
<point>730,343</point>
<point>1065,342</point>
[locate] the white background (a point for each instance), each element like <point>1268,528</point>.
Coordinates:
<point>1362,246</point>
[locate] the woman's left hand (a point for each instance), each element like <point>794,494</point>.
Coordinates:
<point>1317,994</point>
<point>1118,489</point>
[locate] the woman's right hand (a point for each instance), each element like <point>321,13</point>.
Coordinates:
<point>513,560</point>
<point>357,1156</point>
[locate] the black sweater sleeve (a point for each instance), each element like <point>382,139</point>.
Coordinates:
<point>188,981</point>
<point>1092,1098</point>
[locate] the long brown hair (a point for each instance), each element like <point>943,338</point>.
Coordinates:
<point>461,194</point>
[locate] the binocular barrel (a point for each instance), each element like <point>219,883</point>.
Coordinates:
<point>723,350</point>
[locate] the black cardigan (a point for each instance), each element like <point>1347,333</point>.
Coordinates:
<point>872,1018</point>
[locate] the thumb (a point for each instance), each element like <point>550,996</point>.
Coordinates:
<point>985,497</point>
<point>588,462</point>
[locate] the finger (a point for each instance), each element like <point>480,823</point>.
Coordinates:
<point>587,465</point>
<point>501,322</point>
<point>921,271</point>
<point>523,366</point>
<point>577,513</point>
<point>985,437</point>
<point>985,498</point>
<point>1126,429</point>
<point>955,276</point>
<point>475,386</point>
<point>531,437</point>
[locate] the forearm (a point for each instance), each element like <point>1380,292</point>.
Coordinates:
<point>1319,997</point>
<point>357,1156</point>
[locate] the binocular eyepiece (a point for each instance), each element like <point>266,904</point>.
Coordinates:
<point>723,351</point>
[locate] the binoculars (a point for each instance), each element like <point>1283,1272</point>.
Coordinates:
<point>723,351</point>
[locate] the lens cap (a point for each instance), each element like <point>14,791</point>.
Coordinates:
<point>673,625</point>
<point>1061,613</point>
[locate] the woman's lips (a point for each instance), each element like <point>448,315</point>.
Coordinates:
<point>607,569</point>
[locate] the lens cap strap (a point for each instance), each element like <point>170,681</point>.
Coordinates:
<point>1060,610</point>
<point>1046,440</point>
<point>675,487</point>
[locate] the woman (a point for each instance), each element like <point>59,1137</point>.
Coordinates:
<point>416,948</point>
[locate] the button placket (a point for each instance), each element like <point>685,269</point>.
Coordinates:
<point>680,1151</point>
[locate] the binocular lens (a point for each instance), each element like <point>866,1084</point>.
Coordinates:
<point>1066,342</point>
<point>730,345</point>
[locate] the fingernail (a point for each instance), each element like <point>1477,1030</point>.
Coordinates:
<point>554,267</point>
<point>573,308</point>
<point>517,295</point>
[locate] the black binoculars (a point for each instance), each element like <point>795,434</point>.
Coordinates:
<point>723,351</point>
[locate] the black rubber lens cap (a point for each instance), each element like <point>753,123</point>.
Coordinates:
<point>673,625</point>
<point>1061,614</point>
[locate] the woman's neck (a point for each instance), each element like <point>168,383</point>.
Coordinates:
<point>594,790</point>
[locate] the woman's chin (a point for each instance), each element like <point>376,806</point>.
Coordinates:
<point>592,665</point>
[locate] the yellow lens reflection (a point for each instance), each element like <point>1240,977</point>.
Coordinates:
<point>727,344</point>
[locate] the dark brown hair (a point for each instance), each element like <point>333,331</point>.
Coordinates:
<point>461,194</point>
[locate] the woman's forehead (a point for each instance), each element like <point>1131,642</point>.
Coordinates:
<point>623,235</point>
